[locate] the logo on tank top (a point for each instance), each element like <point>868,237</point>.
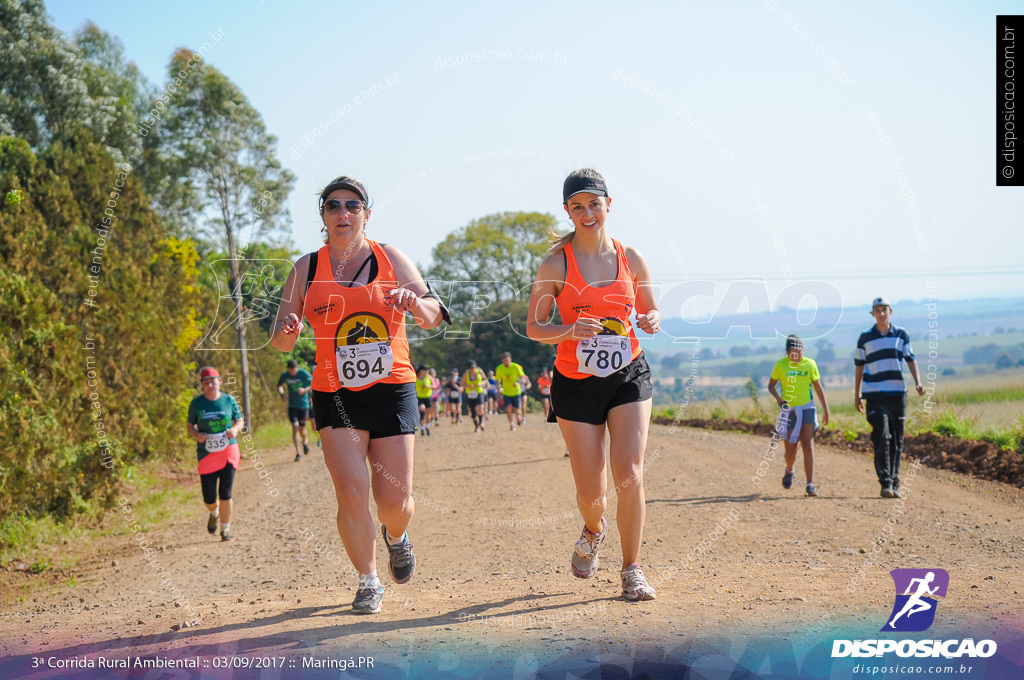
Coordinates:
<point>582,307</point>
<point>321,310</point>
<point>612,326</point>
<point>361,328</point>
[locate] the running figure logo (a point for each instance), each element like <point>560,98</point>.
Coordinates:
<point>914,610</point>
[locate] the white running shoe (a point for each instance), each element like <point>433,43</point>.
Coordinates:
<point>634,585</point>
<point>584,556</point>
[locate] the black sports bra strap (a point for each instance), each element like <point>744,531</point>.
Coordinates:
<point>373,274</point>
<point>311,274</point>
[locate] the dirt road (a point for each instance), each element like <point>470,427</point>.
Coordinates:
<point>740,569</point>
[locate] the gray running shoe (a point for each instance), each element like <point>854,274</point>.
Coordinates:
<point>634,585</point>
<point>584,556</point>
<point>226,536</point>
<point>368,599</point>
<point>401,561</point>
<point>787,480</point>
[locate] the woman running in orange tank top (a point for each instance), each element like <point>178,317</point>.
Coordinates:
<point>364,395</point>
<point>601,382</point>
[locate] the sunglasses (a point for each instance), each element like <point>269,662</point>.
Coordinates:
<point>333,206</point>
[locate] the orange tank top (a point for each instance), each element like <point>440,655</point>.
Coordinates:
<point>360,338</point>
<point>612,304</point>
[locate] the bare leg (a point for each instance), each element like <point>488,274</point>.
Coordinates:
<point>225,510</point>
<point>586,455</point>
<point>627,430</point>
<point>807,443</point>
<point>345,454</point>
<point>391,463</point>
<point>790,454</point>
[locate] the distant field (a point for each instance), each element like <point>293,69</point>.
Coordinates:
<point>950,351</point>
<point>989,406</point>
<point>961,344</point>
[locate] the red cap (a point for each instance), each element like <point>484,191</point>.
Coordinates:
<point>208,372</point>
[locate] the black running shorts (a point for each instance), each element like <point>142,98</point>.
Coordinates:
<point>588,400</point>
<point>298,415</point>
<point>383,410</point>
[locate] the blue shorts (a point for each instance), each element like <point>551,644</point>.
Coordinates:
<point>512,401</point>
<point>805,414</point>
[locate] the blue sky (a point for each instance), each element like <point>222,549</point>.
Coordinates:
<point>865,131</point>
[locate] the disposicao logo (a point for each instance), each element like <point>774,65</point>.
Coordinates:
<point>914,611</point>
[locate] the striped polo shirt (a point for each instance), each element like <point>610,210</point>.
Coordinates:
<point>882,357</point>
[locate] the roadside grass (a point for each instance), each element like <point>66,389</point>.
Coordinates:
<point>153,490</point>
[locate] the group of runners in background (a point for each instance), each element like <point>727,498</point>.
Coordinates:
<point>368,401</point>
<point>476,394</point>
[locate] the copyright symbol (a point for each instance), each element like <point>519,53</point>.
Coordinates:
<point>1007,171</point>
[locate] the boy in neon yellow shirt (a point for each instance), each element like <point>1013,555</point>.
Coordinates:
<point>799,375</point>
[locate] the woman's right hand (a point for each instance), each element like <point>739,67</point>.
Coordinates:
<point>291,324</point>
<point>584,329</point>
<point>201,437</point>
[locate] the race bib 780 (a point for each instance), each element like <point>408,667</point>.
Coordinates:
<point>602,355</point>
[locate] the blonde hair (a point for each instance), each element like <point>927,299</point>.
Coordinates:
<point>559,241</point>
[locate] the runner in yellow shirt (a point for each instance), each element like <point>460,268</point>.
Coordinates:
<point>476,394</point>
<point>510,378</point>
<point>424,394</point>
<point>798,375</point>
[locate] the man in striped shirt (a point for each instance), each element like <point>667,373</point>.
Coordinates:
<point>879,359</point>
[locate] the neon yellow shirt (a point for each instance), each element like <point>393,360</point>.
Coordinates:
<point>508,377</point>
<point>796,380</point>
<point>424,387</point>
<point>478,385</point>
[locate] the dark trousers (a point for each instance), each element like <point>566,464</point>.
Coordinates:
<point>886,415</point>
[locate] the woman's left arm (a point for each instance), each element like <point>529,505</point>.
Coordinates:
<point>824,402</point>
<point>648,318</point>
<point>409,295</point>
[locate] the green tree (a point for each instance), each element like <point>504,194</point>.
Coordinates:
<point>98,318</point>
<point>670,362</point>
<point>982,354</point>
<point>825,351</point>
<point>491,259</point>
<point>50,86</point>
<point>235,186</point>
<point>119,89</point>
